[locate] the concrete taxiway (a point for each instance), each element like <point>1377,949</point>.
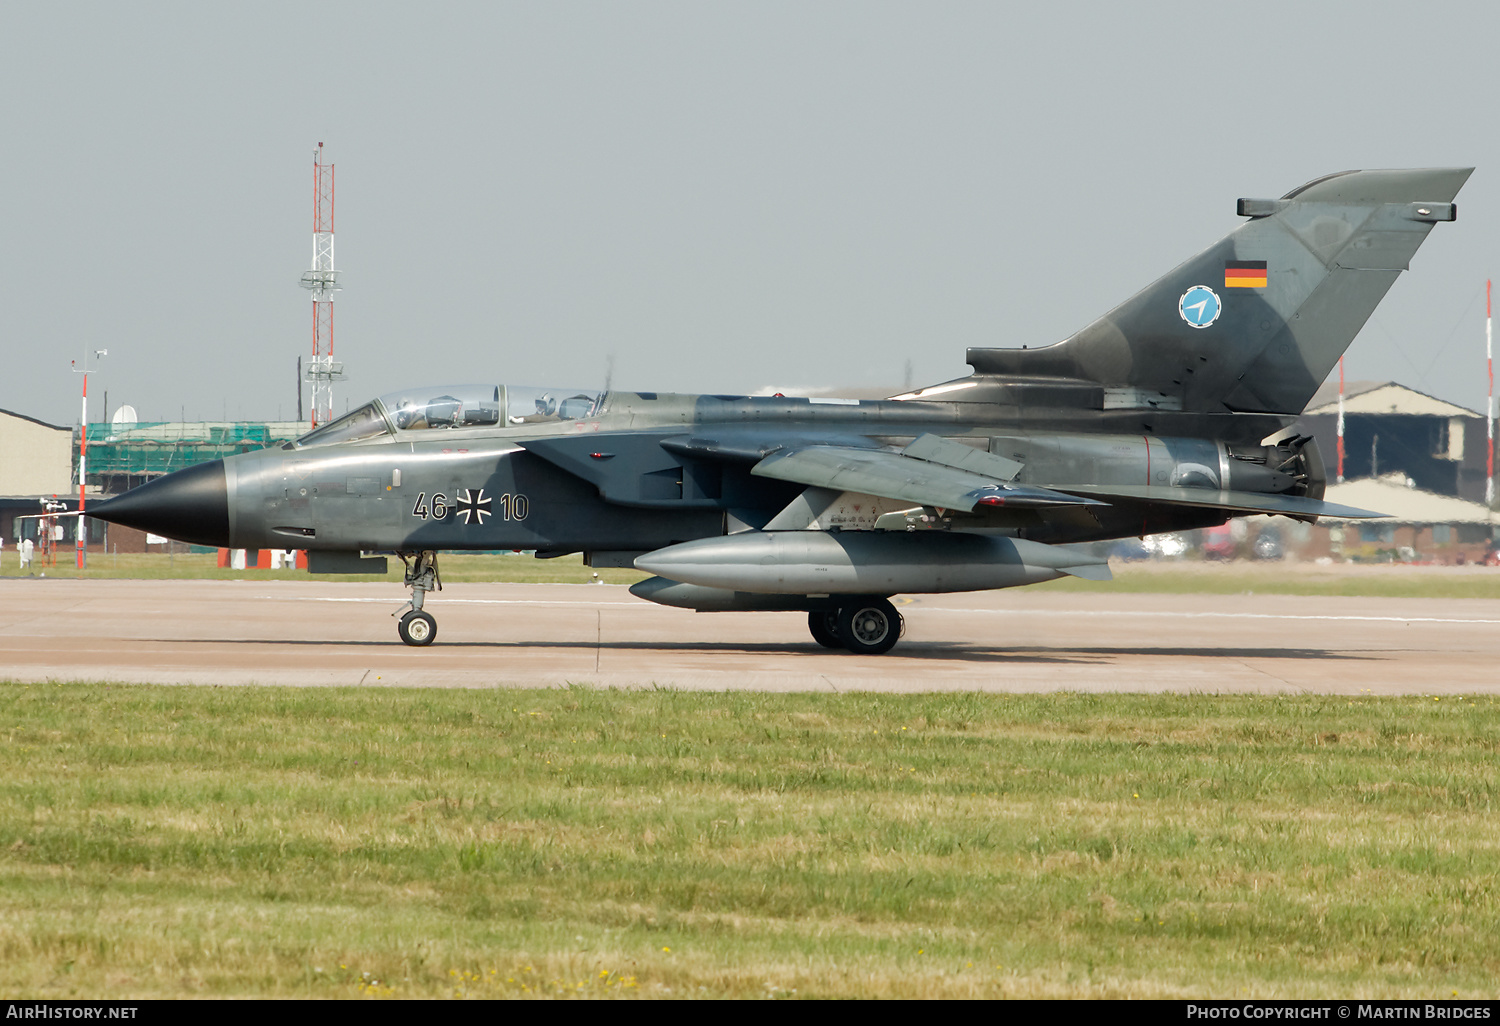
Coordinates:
<point>330,633</point>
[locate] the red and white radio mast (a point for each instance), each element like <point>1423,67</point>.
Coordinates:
<point>1489,401</point>
<point>1340,477</point>
<point>322,281</point>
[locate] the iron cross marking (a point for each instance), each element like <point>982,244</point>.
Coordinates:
<point>472,503</point>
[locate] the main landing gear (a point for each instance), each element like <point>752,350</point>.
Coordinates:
<point>867,626</point>
<point>417,627</point>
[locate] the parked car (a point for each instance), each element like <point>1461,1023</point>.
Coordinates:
<point>1219,543</point>
<point>1166,546</point>
<point>1268,545</point>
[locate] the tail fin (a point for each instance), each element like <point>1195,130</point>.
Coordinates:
<point>1255,323</point>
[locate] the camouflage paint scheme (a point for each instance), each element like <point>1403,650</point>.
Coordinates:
<point>1170,412</point>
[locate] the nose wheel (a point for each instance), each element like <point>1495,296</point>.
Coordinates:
<point>417,628</point>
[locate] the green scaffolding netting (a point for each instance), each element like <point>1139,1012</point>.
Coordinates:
<point>160,447</point>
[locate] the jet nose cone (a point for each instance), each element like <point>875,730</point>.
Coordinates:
<point>191,505</point>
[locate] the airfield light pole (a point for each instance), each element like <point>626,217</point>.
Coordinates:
<point>1489,402</point>
<point>1341,421</point>
<point>322,281</point>
<point>80,532</point>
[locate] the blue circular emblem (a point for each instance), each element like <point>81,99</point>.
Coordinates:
<point>1199,306</point>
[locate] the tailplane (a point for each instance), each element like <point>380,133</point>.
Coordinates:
<point>1255,323</point>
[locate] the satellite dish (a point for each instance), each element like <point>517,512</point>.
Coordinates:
<point>124,415</point>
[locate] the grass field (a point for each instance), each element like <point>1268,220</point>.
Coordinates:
<point>1394,581</point>
<point>161,842</point>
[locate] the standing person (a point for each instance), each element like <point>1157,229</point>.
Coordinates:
<point>25,548</point>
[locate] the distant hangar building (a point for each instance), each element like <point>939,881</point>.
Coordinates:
<point>1419,525</point>
<point>36,462</point>
<point>1389,428</point>
<point>35,457</point>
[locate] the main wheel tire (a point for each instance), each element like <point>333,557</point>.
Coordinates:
<point>417,628</point>
<point>869,626</point>
<point>824,624</point>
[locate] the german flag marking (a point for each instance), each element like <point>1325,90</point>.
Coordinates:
<point>1244,274</point>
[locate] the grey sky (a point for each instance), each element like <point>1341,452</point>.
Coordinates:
<point>724,196</point>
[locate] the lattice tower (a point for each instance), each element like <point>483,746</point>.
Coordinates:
<point>322,281</point>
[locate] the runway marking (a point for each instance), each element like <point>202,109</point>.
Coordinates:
<point>1226,616</point>
<point>947,609</point>
<point>458,601</point>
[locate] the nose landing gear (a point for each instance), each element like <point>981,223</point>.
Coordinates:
<point>417,627</point>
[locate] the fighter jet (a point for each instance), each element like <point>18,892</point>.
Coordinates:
<point>1172,411</point>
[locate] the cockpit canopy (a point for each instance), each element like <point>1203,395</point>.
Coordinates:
<point>457,406</point>
<point>453,407</point>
